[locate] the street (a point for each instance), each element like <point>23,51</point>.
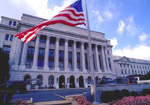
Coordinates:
<point>49,94</point>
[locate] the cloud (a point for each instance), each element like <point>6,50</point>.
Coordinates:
<point>108,15</point>
<point>121,27</point>
<point>132,28</point>
<point>143,37</point>
<point>139,52</point>
<point>99,17</point>
<point>15,8</point>
<point>114,42</point>
<point>129,27</point>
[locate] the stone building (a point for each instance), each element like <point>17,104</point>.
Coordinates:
<point>57,56</point>
<point>125,66</point>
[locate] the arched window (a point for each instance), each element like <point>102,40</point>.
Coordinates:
<point>26,79</point>
<point>40,81</point>
<point>14,23</point>
<point>10,22</point>
<point>89,80</point>
<point>96,79</point>
<point>51,80</point>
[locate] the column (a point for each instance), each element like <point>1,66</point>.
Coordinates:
<point>74,57</point>
<point>66,55</point>
<point>24,57</point>
<point>106,56</point>
<point>17,55</point>
<point>35,57</point>
<point>46,57</point>
<point>57,54</point>
<point>83,57</point>
<point>103,58</point>
<point>112,62</point>
<point>97,59</point>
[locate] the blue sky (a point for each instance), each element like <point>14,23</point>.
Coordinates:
<point>125,22</point>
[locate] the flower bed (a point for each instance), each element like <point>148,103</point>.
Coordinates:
<point>139,100</point>
<point>81,100</point>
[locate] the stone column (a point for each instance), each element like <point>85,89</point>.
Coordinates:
<point>17,55</point>
<point>74,57</point>
<point>57,55</point>
<point>112,62</point>
<point>46,57</point>
<point>103,58</point>
<point>97,59</point>
<point>66,55</point>
<point>24,57</point>
<point>106,56</point>
<point>35,57</point>
<point>83,57</point>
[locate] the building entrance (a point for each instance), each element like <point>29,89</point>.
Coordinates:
<point>62,81</point>
<point>72,82</point>
<point>81,81</point>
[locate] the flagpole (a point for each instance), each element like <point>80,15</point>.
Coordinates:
<point>90,56</point>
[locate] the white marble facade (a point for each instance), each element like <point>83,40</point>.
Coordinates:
<point>59,54</point>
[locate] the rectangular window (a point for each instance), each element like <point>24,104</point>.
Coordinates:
<point>43,39</point>
<point>109,63</point>
<point>52,40</point>
<point>94,62</point>
<point>41,57</point>
<point>61,42</point>
<point>51,59</point>
<point>70,60</point>
<point>100,63</point>
<point>6,49</point>
<point>30,55</point>
<point>6,37</point>
<point>78,45</point>
<point>61,59</point>
<point>78,60</point>
<point>11,37</point>
<point>86,61</point>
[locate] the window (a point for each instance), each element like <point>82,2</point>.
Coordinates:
<point>6,37</point>
<point>51,80</point>
<point>93,46</point>
<point>70,43</point>
<point>85,46</point>
<point>61,42</point>
<point>125,71</point>
<point>137,66</point>
<point>41,57</point>
<point>94,62</point>
<point>89,80</point>
<point>30,55</point>
<point>86,61</point>
<point>109,63</point>
<point>131,66</point>
<point>10,22</point>
<point>52,40</point>
<point>70,60</point>
<point>129,71</point>
<point>100,63</point>
<point>6,49</point>
<point>43,39</point>
<point>78,60</point>
<point>14,23</point>
<point>120,65</point>
<point>122,71</point>
<point>40,81</point>
<point>132,72</point>
<point>78,45</point>
<point>99,49</point>
<point>61,59</point>
<point>51,59</point>
<point>107,52</point>
<point>9,37</point>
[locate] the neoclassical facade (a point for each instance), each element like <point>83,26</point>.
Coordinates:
<point>57,56</point>
<point>125,66</point>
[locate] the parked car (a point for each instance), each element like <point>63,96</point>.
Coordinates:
<point>17,86</point>
<point>141,80</point>
<point>106,81</point>
<point>122,80</point>
<point>132,80</point>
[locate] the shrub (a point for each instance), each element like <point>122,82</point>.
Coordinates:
<point>124,93</point>
<point>133,93</point>
<point>81,100</point>
<point>145,92</point>
<point>139,100</point>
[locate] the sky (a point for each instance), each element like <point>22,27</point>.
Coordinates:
<point>126,23</point>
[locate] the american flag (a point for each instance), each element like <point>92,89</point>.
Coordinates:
<point>72,15</point>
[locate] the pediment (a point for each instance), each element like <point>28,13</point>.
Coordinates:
<point>124,59</point>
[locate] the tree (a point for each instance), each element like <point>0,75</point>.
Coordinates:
<point>4,73</point>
